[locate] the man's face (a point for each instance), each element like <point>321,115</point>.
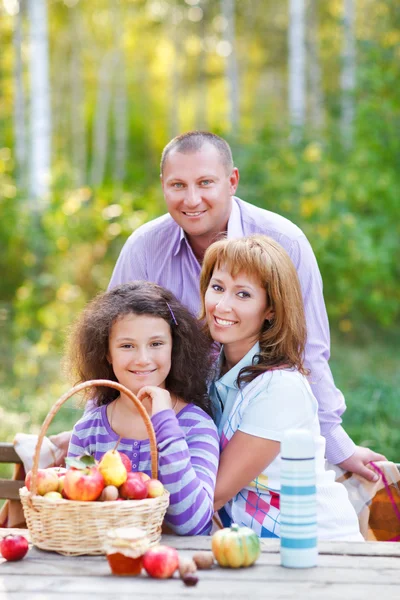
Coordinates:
<point>198,191</point>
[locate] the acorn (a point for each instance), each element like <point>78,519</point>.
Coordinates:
<point>190,579</point>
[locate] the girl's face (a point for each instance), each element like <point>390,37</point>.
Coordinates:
<point>139,349</point>
<point>236,309</point>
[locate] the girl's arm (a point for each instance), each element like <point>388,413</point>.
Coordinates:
<point>243,459</point>
<point>187,468</point>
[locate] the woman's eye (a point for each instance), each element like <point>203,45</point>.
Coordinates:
<point>243,294</point>
<point>216,288</point>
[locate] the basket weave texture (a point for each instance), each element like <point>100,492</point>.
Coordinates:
<point>75,528</point>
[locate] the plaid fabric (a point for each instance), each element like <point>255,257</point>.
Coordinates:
<point>256,505</point>
<point>377,504</point>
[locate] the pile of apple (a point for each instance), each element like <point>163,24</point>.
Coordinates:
<point>87,480</point>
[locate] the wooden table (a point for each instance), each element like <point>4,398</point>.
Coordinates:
<point>346,571</point>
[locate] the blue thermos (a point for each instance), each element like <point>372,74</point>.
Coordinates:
<point>298,500</point>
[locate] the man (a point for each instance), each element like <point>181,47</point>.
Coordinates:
<point>199,181</point>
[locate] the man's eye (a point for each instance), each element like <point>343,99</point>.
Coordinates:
<point>206,182</point>
<point>177,185</point>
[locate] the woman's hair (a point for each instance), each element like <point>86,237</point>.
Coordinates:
<point>282,340</point>
<point>88,344</point>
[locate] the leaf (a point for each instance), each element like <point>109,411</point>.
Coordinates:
<point>81,462</point>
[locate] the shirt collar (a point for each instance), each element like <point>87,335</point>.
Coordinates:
<point>229,379</point>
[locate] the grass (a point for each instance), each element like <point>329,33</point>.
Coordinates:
<point>368,374</point>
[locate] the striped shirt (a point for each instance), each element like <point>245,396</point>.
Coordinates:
<point>188,448</point>
<point>158,251</point>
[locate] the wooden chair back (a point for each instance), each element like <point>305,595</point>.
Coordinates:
<point>8,487</point>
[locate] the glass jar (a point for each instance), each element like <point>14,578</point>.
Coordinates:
<point>125,548</point>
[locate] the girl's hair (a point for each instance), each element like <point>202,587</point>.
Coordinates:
<point>88,343</point>
<point>282,340</point>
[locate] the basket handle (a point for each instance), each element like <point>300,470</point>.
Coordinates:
<point>78,388</point>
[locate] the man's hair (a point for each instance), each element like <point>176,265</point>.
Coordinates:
<point>282,340</point>
<point>88,344</point>
<point>193,141</point>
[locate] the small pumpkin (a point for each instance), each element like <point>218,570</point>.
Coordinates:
<point>235,546</point>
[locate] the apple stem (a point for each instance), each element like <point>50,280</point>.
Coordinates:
<point>116,445</point>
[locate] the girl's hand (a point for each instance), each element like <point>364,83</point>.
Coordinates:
<point>160,399</point>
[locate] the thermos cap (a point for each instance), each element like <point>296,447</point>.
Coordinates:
<point>297,444</point>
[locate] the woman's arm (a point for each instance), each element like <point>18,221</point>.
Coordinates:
<point>243,459</point>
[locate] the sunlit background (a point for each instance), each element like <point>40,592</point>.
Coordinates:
<point>306,92</point>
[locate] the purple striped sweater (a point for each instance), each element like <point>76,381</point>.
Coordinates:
<point>188,447</point>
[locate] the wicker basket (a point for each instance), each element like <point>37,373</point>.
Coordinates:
<point>74,528</point>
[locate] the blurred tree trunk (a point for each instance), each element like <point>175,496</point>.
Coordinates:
<point>176,34</point>
<point>40,111</point>
<point>201,103</point>
<point>347,75</point>
<point>77,104</point>
<point>296,33</point>
<point>19,101</point>
<point>316,98</point>
<point>120,106</point>
<point>228,13</point>
<point>101,118</point>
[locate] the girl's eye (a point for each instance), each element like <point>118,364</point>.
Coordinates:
<point>216,288</point>
<point>156,344</point>
<point>127,346</point>
<point>243,294</point>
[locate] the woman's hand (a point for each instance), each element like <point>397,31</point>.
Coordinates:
<point>160,399</point>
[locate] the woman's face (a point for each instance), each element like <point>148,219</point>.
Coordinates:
<point>236,309</point>
<point>139,349</point>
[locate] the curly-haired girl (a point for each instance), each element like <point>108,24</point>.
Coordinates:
<point>140,335</point>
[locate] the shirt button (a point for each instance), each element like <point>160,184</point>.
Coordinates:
<point>135,443</point>
<point>134,466</point>
<point>135,455</point>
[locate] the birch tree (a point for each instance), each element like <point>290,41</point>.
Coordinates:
<point>40,112</point>
<point>296,86</point>
<point>347,74</point>
<point>231,67</point>
<point>19,100</point>
<point>77,112</point>
<point>316,98</point>
<point>101,118</point>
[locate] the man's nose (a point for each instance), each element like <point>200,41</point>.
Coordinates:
<point>193,198</point>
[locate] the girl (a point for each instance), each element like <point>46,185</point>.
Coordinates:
<point>252,303</point>
<point>140,335</point>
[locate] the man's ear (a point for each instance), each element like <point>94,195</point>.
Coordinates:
<point>234,180</point>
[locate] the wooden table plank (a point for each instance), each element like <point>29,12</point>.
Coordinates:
<point>346,571</point>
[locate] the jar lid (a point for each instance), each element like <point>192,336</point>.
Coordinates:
<point>297,444</point>
<point>128,534</point>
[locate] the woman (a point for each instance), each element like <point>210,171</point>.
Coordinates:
<point>252,304</point>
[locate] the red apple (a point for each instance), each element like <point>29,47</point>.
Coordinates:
<point>126,461</point>
<point>134,488</point>
<point>84,485</point>
<point>47,481</point>
<point>161,561</point>
<point>144,476</point>
<point>14,547</point>
<point>154,488</point>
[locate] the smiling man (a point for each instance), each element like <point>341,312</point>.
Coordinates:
<point>199,182</point>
